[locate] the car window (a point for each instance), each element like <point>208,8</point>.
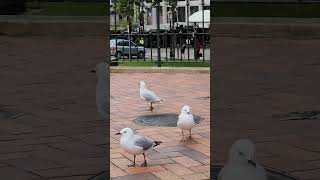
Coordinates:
<point>126,43</point>
<point>120,43</point>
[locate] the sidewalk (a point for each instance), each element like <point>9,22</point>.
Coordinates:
<point>55,131</point>
<point>252,89</point>
<point>172,159</point>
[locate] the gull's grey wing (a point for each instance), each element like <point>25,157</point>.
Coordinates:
<point>149,95</point>
<point>144,143</point>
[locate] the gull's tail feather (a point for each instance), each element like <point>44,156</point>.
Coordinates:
<point>156,143</point>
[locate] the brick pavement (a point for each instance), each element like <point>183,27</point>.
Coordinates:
<point>56,132</point>
<point>275,76</point>
<point>256,79</point>
<point>172,159</point>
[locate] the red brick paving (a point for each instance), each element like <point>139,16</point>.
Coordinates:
<point>283,72</point>
<point>172,159</point>
<point>257,78</point>
<point>60,136</point>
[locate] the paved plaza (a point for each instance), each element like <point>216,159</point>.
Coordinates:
<point>258,80</point>
<point>172,159</point>
<point>55,131</point>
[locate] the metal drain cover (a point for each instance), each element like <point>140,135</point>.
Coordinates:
<point>272,175</point>
<point>295,116</point>
<point>166,120</point>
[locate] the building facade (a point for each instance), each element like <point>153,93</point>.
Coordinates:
<point>166,17</point>
<point>181,13</point>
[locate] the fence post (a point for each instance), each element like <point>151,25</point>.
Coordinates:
<point>166,44</point>
<point>188,15</point>
<point>203,48</point>
<point>194,34</point>
<point>150,43</point>
<point>158,32</point>
<point>180,44</point>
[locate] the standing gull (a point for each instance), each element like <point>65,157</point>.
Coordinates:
<point>148,95</point>
<point>135,144</point>
<point>101,89</point>
<point>242,163</point>
<point>185,120</point>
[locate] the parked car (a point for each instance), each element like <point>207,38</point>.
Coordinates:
<point>123,48</point>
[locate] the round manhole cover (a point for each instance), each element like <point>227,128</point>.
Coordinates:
<point>272,175</point>
<point>5,114</point>
<point>166,120</point>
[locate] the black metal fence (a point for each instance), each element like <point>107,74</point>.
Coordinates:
<point>184,43</point>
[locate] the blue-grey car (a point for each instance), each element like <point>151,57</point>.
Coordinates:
<point>123,48</point>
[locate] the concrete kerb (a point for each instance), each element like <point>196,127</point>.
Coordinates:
<point>193,70</point>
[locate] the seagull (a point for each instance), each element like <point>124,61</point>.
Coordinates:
<point>101,89</point>
<point>135,144</point>
<point>185,120</point>
<point>242,163</point>
<point>148,95</point>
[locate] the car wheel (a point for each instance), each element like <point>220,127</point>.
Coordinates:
<point>141,54</point>
<point>118,55</point>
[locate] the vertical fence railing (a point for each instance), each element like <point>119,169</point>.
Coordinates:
<point>188,40</point>
<point>170,45</point>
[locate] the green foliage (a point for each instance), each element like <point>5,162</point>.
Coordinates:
<point>123,24</point>
<point>125,7</point>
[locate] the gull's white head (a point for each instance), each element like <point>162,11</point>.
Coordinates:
<point>185,110</point>
<point>243,151</point>
<point>142,84</point>
<point>125,131</point>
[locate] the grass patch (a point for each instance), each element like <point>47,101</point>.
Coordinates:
<point>247,9</point>
<point>165,64</point>
<point>68,8</point>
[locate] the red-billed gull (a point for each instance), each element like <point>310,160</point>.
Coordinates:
<point>185,120</point>
<point>135,144</point>
<point>148,95</point>
<point>242,163</point>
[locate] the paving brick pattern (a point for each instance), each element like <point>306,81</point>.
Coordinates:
<point>256,79</point>
<point>172,159</point>
<point>55,132</point>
